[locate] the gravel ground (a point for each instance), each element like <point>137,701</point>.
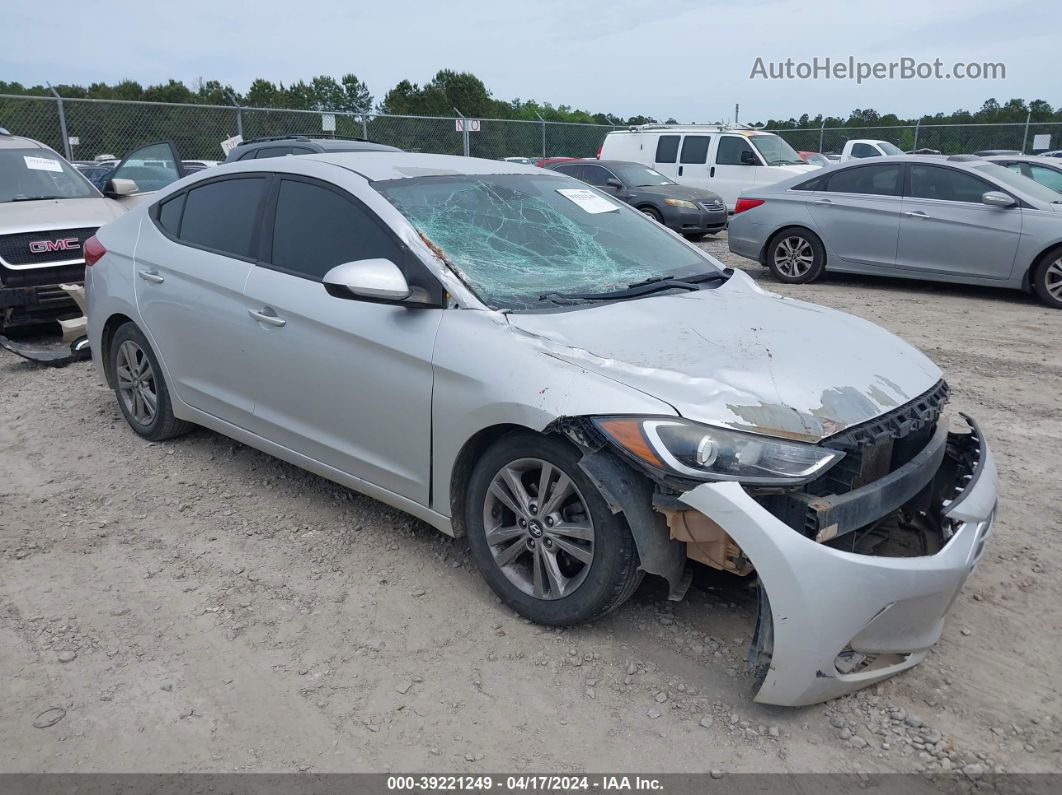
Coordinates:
<point>200,606</point>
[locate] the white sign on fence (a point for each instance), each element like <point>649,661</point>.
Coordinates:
<point>74,140</point>
<point>231,143</point>
<point>473,125</point>
<point>328,122</point>
<point>1041,142</point>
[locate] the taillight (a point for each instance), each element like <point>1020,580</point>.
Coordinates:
<point>598,155</point>
<point>746,204</point>
<point>93,250</point>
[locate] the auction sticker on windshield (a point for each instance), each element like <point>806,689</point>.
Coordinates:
<point>42,164</point>
<point>588,200</point>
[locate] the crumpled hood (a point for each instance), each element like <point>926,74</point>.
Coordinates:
<point>48,214</point>
<point>742,358</point>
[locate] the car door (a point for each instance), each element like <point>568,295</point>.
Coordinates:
<point>345,382</point>
<point>858,213</point>
<point>193,256</point>
<point>735,166</point>
<point>693,161</point>
<point>665,159</point>
<point>946,228</point>
<point>598,176</point>
<point>143,172</point>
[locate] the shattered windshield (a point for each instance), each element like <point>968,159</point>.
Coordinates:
<point>513,238</point>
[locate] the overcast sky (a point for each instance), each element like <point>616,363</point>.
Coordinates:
<point>682,58</point>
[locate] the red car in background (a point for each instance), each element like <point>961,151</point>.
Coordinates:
<point>814,158</point>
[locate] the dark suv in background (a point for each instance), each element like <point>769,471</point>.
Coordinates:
<point>693,212</point>
<point>281,145</point>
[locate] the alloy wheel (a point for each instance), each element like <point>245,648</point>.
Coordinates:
<point>793,256</point>
<point>1053,279</point>
<point>136,383</point>
<point>538,528</point>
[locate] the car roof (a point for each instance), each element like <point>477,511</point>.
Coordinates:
<point>20,142</point>
<point>408,165</point>
<point>1050,161</point>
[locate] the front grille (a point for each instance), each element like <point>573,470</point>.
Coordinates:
<point>875,448</point>
<point>872,450</point>
<point>16,250</point>
<point>713,207</point>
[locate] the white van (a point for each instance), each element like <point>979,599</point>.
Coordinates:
<point>720,158</point>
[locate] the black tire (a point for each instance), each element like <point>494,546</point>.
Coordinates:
<point>653,213</point>
<point>161,424</point>
<point>794,269</point>
<point>611,576</point>
<point>1047,278</point>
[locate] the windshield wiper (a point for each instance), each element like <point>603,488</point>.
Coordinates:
<point>637,289</point>
<point>35,198</point>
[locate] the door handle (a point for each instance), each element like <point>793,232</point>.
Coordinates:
<point>680,171</point>
<point>148,276</point>
<point>823,201</point>
<point>711,171</point>
<point>268,319</point>
<point>916,214</point>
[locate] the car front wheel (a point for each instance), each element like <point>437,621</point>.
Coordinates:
<point>1047,279</point>
<point>796,256</point>
<point>543,536</point>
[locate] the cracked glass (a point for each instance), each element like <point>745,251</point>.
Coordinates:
<point>513,238</point>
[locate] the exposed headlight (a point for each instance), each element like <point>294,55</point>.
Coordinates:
<point>703,452</point>
<point>681,203</point>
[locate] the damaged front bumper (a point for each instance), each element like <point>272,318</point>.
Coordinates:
<point>834,621</point>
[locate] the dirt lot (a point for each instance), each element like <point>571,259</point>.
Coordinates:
<point>199,606</point>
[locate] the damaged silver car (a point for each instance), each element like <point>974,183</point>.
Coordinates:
<point>515,357</point>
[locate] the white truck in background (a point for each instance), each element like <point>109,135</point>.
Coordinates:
<point>725,159</point>
<point>868,147</point>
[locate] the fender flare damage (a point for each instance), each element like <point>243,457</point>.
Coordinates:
<point>630,493</point>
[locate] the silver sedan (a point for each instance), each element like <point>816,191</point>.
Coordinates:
<point>510,355</point>
<point>956,219</point>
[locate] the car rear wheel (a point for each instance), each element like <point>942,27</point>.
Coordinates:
<point>1047,278</point>
<point>542,535</point>
<point>796,256</point>
<point>141,390</point>
<point>653,213</point>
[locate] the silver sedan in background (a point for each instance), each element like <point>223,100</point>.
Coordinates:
<point>512,355</point>
<point>956,219</point>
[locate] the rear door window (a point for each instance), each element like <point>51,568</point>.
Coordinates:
<point>883,180</point>
<point>221,216</point>
<point>317,228</point>
<point>946,184</point>
<point>667,148</point>
<point>695,149</point>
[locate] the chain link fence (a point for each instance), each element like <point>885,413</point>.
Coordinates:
<point>86,128</point>
<point>948,139</point>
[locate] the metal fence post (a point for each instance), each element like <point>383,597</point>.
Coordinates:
<point>822,130</point>
<point>543,132</point>
<point>365,125</point>
<point>239,115</point>
<point>464,130</point>
<point>917,125</point>
<point>1025,139</point>
<point>62,122</point>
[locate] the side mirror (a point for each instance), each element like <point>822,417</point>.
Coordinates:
<point>120,187</point>
<point>748,158</point>
<point>997,198</point>
<point>373,279</point>
<point>612,182</point>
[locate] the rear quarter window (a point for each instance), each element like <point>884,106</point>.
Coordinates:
<point>667,148</point>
